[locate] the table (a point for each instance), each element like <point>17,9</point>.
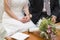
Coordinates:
<point>35,36</point>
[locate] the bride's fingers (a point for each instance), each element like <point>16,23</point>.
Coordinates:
<point>23,20</point>
<point>27,18</point>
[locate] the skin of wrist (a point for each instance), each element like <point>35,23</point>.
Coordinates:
<point>18,19</point>
<point>29,15</point>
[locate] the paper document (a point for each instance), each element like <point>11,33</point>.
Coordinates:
<point>20,36</point>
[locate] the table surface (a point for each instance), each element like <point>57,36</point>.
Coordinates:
<point>35,36</point>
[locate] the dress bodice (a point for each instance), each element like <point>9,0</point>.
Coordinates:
<point>16,6</point>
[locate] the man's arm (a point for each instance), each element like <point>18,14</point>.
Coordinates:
<point>54,10</point>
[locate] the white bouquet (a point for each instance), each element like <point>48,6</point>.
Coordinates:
<point>47,28</point>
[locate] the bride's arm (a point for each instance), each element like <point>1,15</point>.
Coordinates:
<point>8,10</point>
<point>26,10</point>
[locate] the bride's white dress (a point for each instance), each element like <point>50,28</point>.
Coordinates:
<point>11,25</point>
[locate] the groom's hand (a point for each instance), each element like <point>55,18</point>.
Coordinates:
<point>53,19</point>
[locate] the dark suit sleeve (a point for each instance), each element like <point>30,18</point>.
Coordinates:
<point>35,6</point>
<point>55,8</point>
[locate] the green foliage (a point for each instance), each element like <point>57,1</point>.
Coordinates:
<point>43,27</point>
<point>45,22</point>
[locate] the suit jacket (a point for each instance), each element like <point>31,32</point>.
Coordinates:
<point>35,8</point>
<point>55,9</point>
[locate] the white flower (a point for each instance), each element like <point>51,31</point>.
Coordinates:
<point>39,22</point>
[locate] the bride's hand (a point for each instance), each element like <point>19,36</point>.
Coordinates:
<point>23,20</point>
<point>27,18</point>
